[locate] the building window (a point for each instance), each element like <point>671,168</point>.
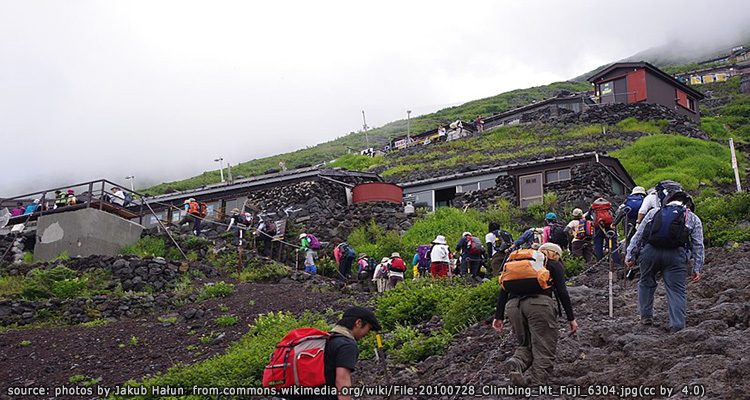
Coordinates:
<point>558,176</point>
<point>691,103</point>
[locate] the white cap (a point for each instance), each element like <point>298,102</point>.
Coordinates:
<point>466,234</point>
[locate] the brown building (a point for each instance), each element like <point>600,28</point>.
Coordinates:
<point>635,82</point>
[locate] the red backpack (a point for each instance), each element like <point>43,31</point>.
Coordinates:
<point>298,360</point>
<point>475,246</point>
<point>203,210</point>
<point>602,215</point>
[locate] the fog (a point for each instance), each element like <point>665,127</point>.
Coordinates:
<point>159,89</point>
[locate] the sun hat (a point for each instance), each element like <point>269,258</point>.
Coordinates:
<point>395,254</point>
<point>639,190</point>
<point>552,247</point>
<point>466,234</point>
<point>440,239</point>
<point>577,212</point>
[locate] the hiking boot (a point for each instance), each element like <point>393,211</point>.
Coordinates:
<point>515,372</point>
<point>648,321</point>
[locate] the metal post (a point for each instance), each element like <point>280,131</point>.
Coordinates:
<point>239,254</point>
<point>220,160</point>
<point>90,195</point>
<point>611,268</point>
<point>408,127</point>
<point>364,127</point>
<point>101,198</point>
<point>734,165</point>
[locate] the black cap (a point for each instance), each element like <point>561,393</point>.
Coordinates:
<point>365,315</point>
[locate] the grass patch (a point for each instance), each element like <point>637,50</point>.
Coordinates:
<point>258,270</point>
<point>216,290</point>
<point>635,125</point>
<point>146,246</point>
<point>356,162</point>
<point>226,320</point>
<point>724,217</point>
<point>686,160</point>
<point>11,286</point>
<point>94,323</point>
<point>168,320</point>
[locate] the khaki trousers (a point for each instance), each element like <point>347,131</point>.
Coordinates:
<point>534,322</point>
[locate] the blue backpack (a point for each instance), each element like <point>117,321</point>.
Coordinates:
<point>668,228</point>
<point>633,202</point>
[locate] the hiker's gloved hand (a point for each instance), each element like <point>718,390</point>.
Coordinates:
<point>696,276</point>
<point>497,324</point>
<point>573,327</point>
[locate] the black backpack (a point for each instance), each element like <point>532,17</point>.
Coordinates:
<point>668,228</point>
<point>503,240</point>
<point>558,235</point>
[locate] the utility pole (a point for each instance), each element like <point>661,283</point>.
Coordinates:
<point>220,160</point>
<point>229,172</point>
<point>364,127</point>
<point>408,126</point>
<point>734,165</point>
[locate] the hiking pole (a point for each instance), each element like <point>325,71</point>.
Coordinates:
<point>610,235</point>
<point>239,256</point>
<point>379,342</point>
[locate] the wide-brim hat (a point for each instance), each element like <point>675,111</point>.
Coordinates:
<point>395,254</point>
<point>466,234</point>
<point>363,255</point>
<point>235,211</point>
<point>639,190</point>
<point>365,315</point>
<point>440,239</point>
<point>384,260</point>
<point>302,235</point>
<point>552,247</point>
<point>577,212</point>
<point>186,201</point>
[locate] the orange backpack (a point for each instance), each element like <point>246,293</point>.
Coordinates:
<point>525,272</point>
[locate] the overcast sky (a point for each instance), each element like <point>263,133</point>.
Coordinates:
<point>159,89</point>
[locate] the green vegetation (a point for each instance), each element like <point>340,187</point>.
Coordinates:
<point>242,364</point>
<point>408,345</point>
<point>133,341</point>
<point>226,320</point>
<point>686,160</point>
<point>148,246</point>
<point>58,282</point>
<point>724,217</point>
<point>730,121</point>
<point>28,257</point>
<point>259,270</point>
<point>83,380</point>
<point>216,290</point>
<point>94,323</point>
<point>25,343</point>
<point>355,162</point>
<point>168,320</point>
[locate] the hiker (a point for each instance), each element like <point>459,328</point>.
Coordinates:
<point>32,207</point>
<point>363,263</point>
<point>582,231</point>
<point>265,233</point>
<point>306,245</point>
<point>118,196</point>
<point>655,197</point>
<point>554,232</point>
<point>472,254</point>
<point>628,211</point>
<point>663,242</point>
<point>604,234</point>
<point>498,242</point>
<point>479,123</point>
<point>237,222</point>
<point>61,199</point>
<point>340,355</point>
<point>192,215</point>
<point>396,270</point>
<point>345,260</point>
<point>531,311</point>
<point>422,259</point>
<point>380,276</point>
<point>439,257</point>
<point>71,199</point>
<point>19,210</point>
<point>528,239</point>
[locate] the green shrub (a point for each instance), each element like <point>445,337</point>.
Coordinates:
<point>573,265</point>
<point>411,346</point>
<point>146,246</point>
<point>724,217</point>
<point>94,323</point>
<point>226,320</point>
<point>374,241</point>
<point>634,125</point>
<point>263,271</point>
<point>11,286</point>
<point>168,320</point>
<point>28,257</point>
<point>413,302</point>
<point>471,305</point>
<point>447,221</point>
<point>215,290</point>
<point>43,283</point>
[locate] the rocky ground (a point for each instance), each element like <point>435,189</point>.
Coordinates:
<point>50,356</point>
<point>711,354</point>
